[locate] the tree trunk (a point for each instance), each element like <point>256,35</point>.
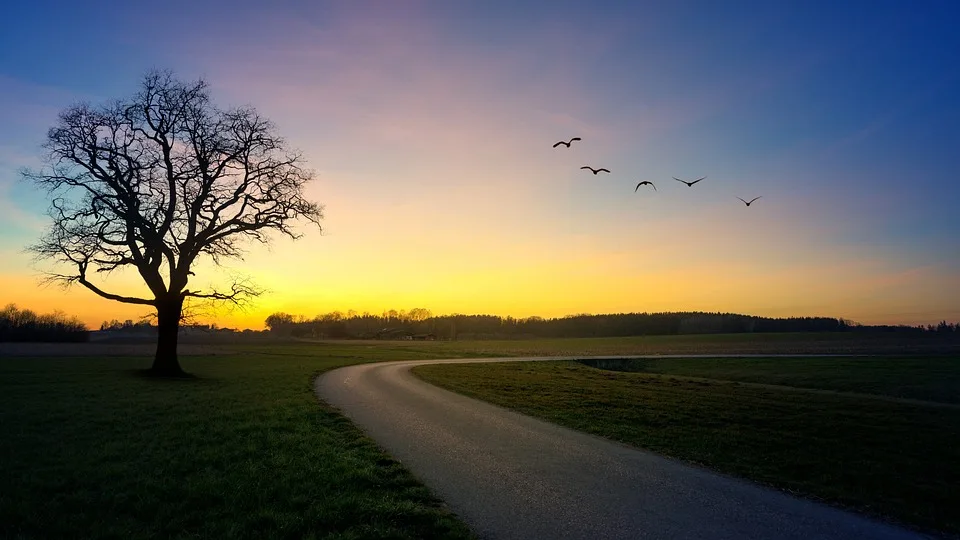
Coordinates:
<point>165,363</point>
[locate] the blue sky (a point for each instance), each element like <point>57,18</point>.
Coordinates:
<point>439,117</point>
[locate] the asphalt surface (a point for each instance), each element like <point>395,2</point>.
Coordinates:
<point>509,476</point>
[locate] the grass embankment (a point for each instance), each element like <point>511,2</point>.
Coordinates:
<point>889,459</point>
<point>90,450</point>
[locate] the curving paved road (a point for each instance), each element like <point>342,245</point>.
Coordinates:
<point>512,476</point>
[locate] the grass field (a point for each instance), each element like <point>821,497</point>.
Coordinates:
<point>90,450</point>
<point>929,379</point>
<point>888,459</point>
<point>809,343</point>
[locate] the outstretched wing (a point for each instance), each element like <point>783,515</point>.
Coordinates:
<point>558,144</point>
<point>603,170</point>
<point>745,202</point>
<point>645,183</point>
<point>586,168</point>
<point>697,180</point>
<point>576,139</point>
<point>755,198</point>
<point>678,180</point>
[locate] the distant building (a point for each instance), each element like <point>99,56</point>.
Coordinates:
<point>394,333</point>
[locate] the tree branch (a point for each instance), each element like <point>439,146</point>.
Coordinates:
<point>240,292</point>
<point>82,279</point>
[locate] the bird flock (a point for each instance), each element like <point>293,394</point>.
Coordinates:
<point>597,171</point>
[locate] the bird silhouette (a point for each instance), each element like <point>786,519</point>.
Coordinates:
<point>595,171</point>
<point>751,200</point>
<point>689,184</point>
<point>645,183</point>
<point>567,143</point>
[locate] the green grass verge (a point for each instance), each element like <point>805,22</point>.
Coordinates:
<point>930,379</point>
<point>888,459</point>
<point>90,450</point>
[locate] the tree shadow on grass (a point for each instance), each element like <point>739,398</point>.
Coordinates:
<point>151,375</point>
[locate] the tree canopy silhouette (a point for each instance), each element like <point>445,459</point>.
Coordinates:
<point>158,181</point>
<point>421,322</point>
<point>26,325</point>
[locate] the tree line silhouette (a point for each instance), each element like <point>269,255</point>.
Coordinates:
<point>420,323</point>
<point>25,325</point>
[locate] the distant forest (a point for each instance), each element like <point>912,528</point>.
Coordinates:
<point>419,323</point>
<point>25,325</point>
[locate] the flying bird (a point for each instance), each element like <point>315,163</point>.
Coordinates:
<point>567,143</point>
<point>645,183</point>
<point>595,171</point>
<point>689,184</point>
<point>751,200</point>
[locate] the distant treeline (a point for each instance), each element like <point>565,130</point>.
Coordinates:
<point>419,323</point>
<point>142,326</point>
<point>25,325</point>
<point>943,327</point>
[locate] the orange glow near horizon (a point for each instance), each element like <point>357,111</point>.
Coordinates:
<point>523,281</point>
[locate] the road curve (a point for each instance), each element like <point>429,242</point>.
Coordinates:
<point>508,475</point>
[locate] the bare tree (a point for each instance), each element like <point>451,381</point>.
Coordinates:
<point>419,314</point>
<point>158,181</point>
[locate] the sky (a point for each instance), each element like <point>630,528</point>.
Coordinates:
<point>430,126</point>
